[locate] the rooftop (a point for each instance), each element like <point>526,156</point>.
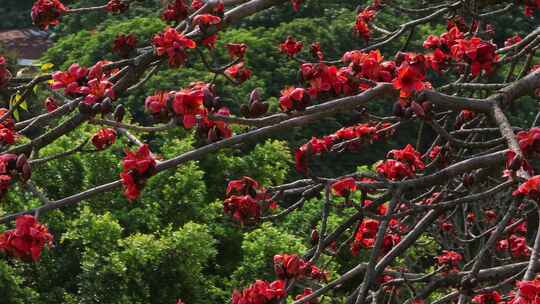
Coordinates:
<point>27,43</point>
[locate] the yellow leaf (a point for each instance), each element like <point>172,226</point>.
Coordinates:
<point>46,66</point>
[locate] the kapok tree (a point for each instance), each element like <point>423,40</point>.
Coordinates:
<point>474,190</point>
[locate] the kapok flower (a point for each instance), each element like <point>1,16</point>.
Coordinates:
<point>238,72</point>
<point>137,166</point>
<point>408,81</point>
<point>175,11</point>
<point>530,188</point>
<point>174,45</point>
<point>244,186</point>
<point>123,45</point>
<point>528,292</point>
<point>296,4</point>
<point>98,89</point>
<point>27,240</point>
<point>449,258</point>
<point>410,156</point>
<point>479,53</point>
<point>292,98</point>
<point>104,138</point>
<point>72,81</point>
<point>236,50</point>
<point>216,129</point>
<point>366,234</point>
<point>291,47</point>
<point>50,104</point>
<point>394,170</point>
<point>243,209</point>
<point>260,292</point>
<point>344,186</point>
<point>117,6</point>
<point>157,104</point>
<point>47,12</point>
<point>305,293</point>
<point>205,20</point>
<point>189,103</point>
<point>487,298</point>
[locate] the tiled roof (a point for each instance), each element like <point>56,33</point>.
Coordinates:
<point>27,43</point>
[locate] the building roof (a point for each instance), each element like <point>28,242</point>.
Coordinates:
<point>26,43</point>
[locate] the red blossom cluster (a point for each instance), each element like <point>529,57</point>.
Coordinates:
<point>530,188</point>
<point>296,4</point>
<point>123,45</point>
<point>363,65</point>
<point>246,200</point>
<point>239,72</point>
<point>452,45</point>
<point>174,45</point>
<point>189,103</point>
<point>215,130</point>
<point>92,84</point>
<point>361,133</point>
<point>236,50</point>
<point>344,186</point>
<point>175,11</point>
<point>291,47</point>
<point>363,19</point>
<point>7,129</point>
<point>366,234</point>
<point>117,6</point>
<point>410,75</point>
<point>531,6</point>
<point>294,99</point>
<point>290,266</point>
<point>324,78</point>
<point>305,293</point>
<point>12,166</point>
<point>528,292</point>
<point>449,259</point>
<point>487,298</point>
<point>529,141</point>
<point>50,104</point>
<point>260,292</point>
<point>27,240</point>
<point>404,163</point>
<point>137,167</point>
<point>47,12</point>
<point>5,74</point>
<point>104,138</point>
<point>512,40</point>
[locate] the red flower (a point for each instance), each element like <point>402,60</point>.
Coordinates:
<point>362,29</point>
<point>131,185</point>
<point>47,12</point>
<point>480,54</point>
<point>50,104</point>
<point>512,40</point>
<point>5,75</point>
<point>174,45</point>
<point>244,186</point>
<point>236,50</point>
<point>488,298</point>
<point>217,129</point>
<point>296,4</point>
<point>529,141</point>
<point>189,103</point>
<point>409,156</point>
<point>528,292</point>
<point>157,104</point>
<point>210,41</point>
<point>344,186</point>
<point>437,60</point>
<point>432,42</point>
<point>244,209</point>
<point>27,240</point>
<point>238,72</point>
<point>124,44</point>
<point>449,258</point>
<point>408,80</point>
<point>98,90</point>
<point>175,11</point>
<point>205,20</point>
<point>530,188</point>
<point>142,161</point>
<point>291,47</point>
<point>530,6</point>
<point>260,292</point>
<point>72,80</point>
<point>289,266</point>
<point>316,51</point>
<point>294,99</point>
<point>305,293</point>
<point>104,138</point>
<point>365,237</point>
<point>394,170</point>
<point>137,167</point>
<point>217,10</point>
<point>117,6</point>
